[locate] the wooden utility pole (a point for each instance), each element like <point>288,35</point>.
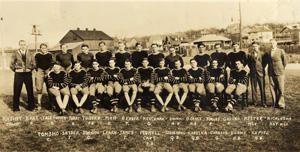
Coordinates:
<point>240,24</point>
<point>36,33</point>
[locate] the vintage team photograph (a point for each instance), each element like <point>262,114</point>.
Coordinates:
<point>149,75</point>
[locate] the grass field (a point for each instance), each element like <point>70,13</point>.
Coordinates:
<point>209,131</point>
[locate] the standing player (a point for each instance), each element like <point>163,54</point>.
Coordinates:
<point>237,54</point>
<point>78,82</point>
<point>58,84</point>
<point>237,83</point>
<point>146,86</point>
<point>96,76</point>
<point>221,57</point>
<point>170,59</point>
<point>179,82</point>
<point>138,55</point>
<point>202,59</point>
<point>196,77</point>
<point>215,83</point>
<point>129,81</point>
<point>44,62</point>
<point>113,88</point>
<point>65,58</point>
<point>85,57</point>
<point>155,57</point>
<point>103,55</point>
<point>122,55</point>
<point>163,78</point>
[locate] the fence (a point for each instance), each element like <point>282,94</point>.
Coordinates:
<point>290,48</point>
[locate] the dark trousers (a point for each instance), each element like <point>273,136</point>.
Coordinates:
<point>20,78</point>
<point>255,79</point>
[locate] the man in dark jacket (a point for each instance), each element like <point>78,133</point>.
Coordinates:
<point>257,64</point>
<point>22,63</point>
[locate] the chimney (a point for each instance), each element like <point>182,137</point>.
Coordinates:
<point>86,29</point>
<point>94,29</point>
<point>78,28</point>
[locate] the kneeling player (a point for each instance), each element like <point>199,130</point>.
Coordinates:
<point>146,86</point>
<point>196,86</point>
<point>162,80</point>
<point>129,80</point>
<point>113,88</point>
<point>58,84</point>
<point>79,82</point>
<point>179,82</point>
<point>96,78</point>
<point>215,78</point>
<point>237,83</point>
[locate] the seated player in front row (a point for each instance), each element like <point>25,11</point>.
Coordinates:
<point>162,80</point>
<point>196,86</point>
<point>215,80</point>
<point>146,86</point>
<point>179,82</point>
<point>237,83</point>
<point>96,78</point>
<point>78,82</point>
<point>114,87</point>
<point>58,84</point>
<point>129,81</point>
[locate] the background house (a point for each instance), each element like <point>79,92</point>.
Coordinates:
<point>210,40</point>
<point>260,34</point>
<point>75,38</point>
<point>292,32</point>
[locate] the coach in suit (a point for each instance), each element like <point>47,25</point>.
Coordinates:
<point>276,60</point>
<point>257,64</point>
<point>22,63</point>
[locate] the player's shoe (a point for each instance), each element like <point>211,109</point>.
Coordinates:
<point>76,110</point>
<point>153,108</point>
<point>179,108</point>
<point>214,105</point>
<point>115,108</point>
<point>139,109</point>
<point>80,110</point>
<point>183,107</point>
<point>60,113</point>
<point>64,112</point>
<point>163,109</point>
<point>126,109</point>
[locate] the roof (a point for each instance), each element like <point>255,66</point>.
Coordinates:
<point>115,38</point>
<point>291,27</point>
<point>91,35</point>
<point>32,45</point>
<point>207,38</point>
<point>156,37</point>
<point>130,39</point>
<point>260,29</point>
<point>70,46</point>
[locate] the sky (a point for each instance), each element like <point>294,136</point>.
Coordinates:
<point>123,18</point>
